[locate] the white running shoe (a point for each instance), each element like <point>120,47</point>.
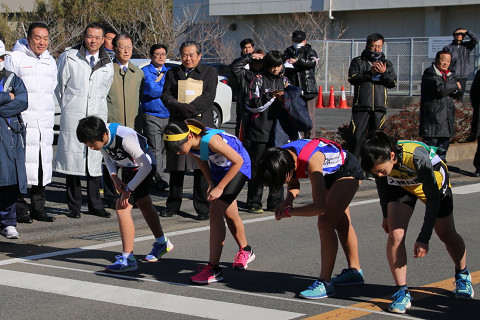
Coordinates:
<point>9,232</point>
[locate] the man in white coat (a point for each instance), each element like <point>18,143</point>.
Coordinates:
<point>31,61</point>
<point>85,75</point>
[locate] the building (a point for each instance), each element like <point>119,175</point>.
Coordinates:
<point>402,18</point>
<point>16,5</point>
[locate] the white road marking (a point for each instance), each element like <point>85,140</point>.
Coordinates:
<point>467,189</point>
<point>212,288</point>
<point>140,298</point>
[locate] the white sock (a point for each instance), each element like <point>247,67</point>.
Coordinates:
<point>128,255</point>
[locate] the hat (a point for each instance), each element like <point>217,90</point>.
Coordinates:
<point>298,36</point>
<point>4,53</point>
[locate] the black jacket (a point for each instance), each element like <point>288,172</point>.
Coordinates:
<point>259,125</point>
<point>303,72</point>
<point>437,108</point>
<point>475,98</point>
<point>460,65</point>
<point>370,94</point>
<point>200,109</point>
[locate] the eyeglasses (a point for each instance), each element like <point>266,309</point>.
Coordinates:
<point>192,55</point>
<point>159,54</point>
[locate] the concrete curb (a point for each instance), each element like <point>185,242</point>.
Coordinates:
<point>461,151</point>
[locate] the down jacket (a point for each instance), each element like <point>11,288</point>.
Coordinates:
<point>12,132</point>
<point>370,95</point>
<point>39,74</point>
<point>82,91</point>
<point>437,108</point>
<point>460,65</point>
<point>303,72</point>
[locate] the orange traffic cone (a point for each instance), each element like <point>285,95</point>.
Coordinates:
<point>343,100</point>
<point>331,103</point>
<point>320,98</point>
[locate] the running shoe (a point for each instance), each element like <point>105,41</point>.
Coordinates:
<point>208,274</point>
<point>348,277</point>
<point>122,265</point>
<point>10,232</point>
<point>318,290</point>
<point>401,302</point>
<point>255,210</point>
<point>242,259</point>
<point>463,286</point>
<point>158,251</point>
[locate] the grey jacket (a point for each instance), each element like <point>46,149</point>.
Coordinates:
<point>460,65</point>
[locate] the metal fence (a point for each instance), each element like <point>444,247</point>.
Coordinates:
<point>409,57</point>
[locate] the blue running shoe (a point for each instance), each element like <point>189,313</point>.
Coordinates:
<point>348,277</point>
<point>318,290</point>
<point>463,286</point>
<point>123,265</point>
<point>158,251</point>
<point>401,302</point>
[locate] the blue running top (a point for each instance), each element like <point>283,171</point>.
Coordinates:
<point>333,158</point>
<point>219,165</point>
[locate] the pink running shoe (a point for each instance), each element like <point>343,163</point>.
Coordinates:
<point>242,259</point>
<point>208,274</point>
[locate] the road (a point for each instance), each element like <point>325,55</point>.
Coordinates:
<point>56,270</point>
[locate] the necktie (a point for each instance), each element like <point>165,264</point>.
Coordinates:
<point>124,69</point>
<point>92,61</point>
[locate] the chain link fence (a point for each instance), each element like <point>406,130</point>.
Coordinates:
<point>409,57</point>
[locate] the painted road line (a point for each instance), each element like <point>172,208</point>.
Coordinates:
<point>438,288</point>
<point>211,288</point>
<point>467,189</point>
<point>140,298</point>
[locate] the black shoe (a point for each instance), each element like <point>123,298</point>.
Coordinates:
<point>102,213</point>
<point>476,174</point>
<point>43,217</point>
<point>74,214</point>
<point>168,213</point>
<point>203,216</point>
<point>111,205</point>
<point>162,185</point>
<point>24,218</point>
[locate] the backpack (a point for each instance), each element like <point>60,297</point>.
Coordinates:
<point>304,154</point>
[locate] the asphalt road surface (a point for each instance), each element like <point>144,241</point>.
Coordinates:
<point>56,270</point>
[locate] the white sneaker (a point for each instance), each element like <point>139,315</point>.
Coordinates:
<point>9,232</point>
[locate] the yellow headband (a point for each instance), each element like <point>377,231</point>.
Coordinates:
<point>181,136</point>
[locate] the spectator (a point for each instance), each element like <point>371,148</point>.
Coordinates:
<point>13,177</point>
<point>437,108</point>
<point>85,75</point>
<point>31,61</point>
<point>2,42</point>
<point>245,68</point>
<point>263,103</point>
<point>123,100</point>
<point>110,34</point>
<point>238,84</point>
<point>201,108</point>
<point>475,98</point>
<point>460,51</point>
<point>370,74</point>
<point>301,60</point>
<point>155,114</point>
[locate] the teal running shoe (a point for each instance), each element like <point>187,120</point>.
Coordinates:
<point>122,265</point>
<point>401,302</point>
<point>348,277</point>
<point>463,286</point>
<point>158,251</point>
<point>318,290</point>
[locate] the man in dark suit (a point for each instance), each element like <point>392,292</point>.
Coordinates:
<point>201,108</point>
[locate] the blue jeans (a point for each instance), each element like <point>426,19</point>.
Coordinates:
<point>8,199</point>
